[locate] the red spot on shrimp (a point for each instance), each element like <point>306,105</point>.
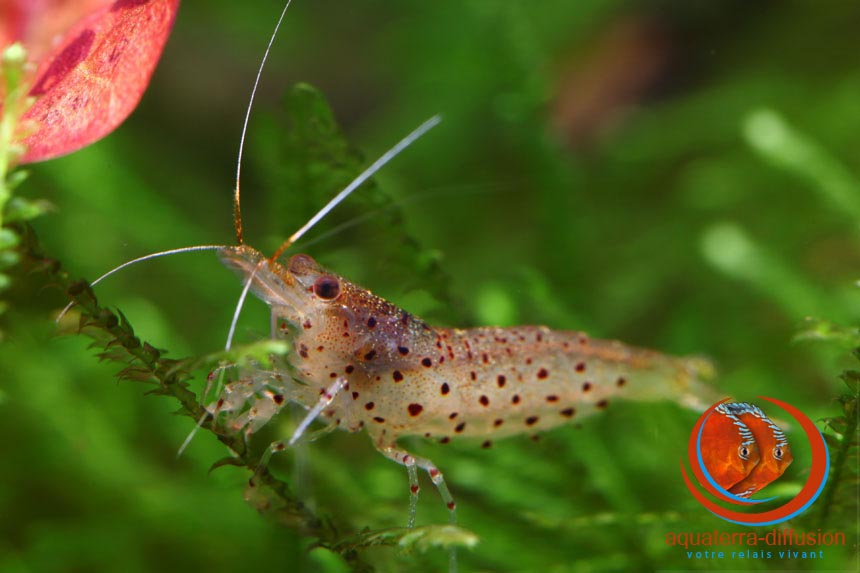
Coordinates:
<point>371,322</point>
<point>552,398</point>
<point>602,404</point>
<point>332,374</point>
<point>397,375</point>
<point>580,367</point>
<point>586,386</point>
<point>486,444</point>
<point>529,361</point>
<point>355,395</point>
<point>621,381</point>
<point>413,489</point>
<point>445,388</point>
<point>307,324</point>
<point>444,440</point>
<point>426,362</point>
<point>485,358</point>
<point>349,369</point>
<point>568,412</point>
<point>369,406</point>
<point>433,472</point>
<point>320,348</point>
<point>402,350</point>
<point>501,380</point>
<point>498,422</point>
<point>379,420</point>
<point>415,409</point>
<point>278,398</point>
<point>452,415</point>
<point>451,505</point>
<point>531,420</point>
<point>484,401</point>
<point>460,427</point>
<point>516,399</point>
<point>542,373</point>
<point>473,375</point>
<point>370,355</point>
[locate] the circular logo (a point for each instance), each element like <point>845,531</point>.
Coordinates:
<point>735,450</point>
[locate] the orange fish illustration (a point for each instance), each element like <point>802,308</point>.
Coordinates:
<point>772,444</point>
<point>729,449</point>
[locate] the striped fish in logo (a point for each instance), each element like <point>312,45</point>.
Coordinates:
<point>772,444</point>
<point>728,447</point>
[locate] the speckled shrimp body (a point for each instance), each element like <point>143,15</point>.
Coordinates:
<point>367,364</point>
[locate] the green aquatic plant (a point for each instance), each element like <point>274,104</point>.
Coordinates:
<point>704,207</point>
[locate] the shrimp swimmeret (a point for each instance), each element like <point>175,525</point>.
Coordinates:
<point>360,362</point>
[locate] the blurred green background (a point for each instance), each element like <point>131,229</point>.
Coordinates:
<point>682,176</point>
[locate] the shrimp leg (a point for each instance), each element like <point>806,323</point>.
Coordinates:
<point>404,458</point>
<point>325,399</point>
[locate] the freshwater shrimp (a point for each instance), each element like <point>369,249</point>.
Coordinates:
<point>359,362</point>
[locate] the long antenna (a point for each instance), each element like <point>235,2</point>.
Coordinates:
<point>140,260</point>
<point>356,183</point>
<point>237,201</point>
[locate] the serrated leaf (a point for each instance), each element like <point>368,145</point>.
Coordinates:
<point>838,424</point>
<point>226,461</point>
<point>852,380</point>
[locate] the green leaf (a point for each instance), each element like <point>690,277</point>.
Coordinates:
<point>19,209</point>
<point>433,536</point>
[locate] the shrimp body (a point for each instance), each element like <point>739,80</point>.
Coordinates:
<point>404,377</point>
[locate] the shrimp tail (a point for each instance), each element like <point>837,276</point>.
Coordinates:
<point>695,383</point>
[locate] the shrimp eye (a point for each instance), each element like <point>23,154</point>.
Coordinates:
<point>744,452</point>
<point>777,453</point>
<point>327,288</point>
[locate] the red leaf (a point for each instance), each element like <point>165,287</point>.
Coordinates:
<point>94,77</point>
<point>41,24</point>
